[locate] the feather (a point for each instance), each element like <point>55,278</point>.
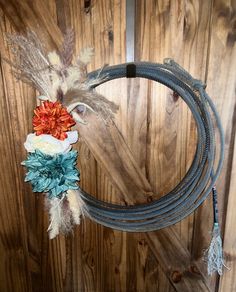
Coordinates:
<point>76,205</point>
<point>66,222</point>
<point>54,206</point>
<point>98,103</point>
<point>60,216</point>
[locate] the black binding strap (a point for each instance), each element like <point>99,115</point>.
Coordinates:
<point>131,70</point>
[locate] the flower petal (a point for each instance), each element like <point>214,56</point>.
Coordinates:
<point>53,174</point>
<point>72,136</point>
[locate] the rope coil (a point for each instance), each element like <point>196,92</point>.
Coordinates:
<point>197,184</point>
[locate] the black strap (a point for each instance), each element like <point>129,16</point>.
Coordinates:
<point>215,205</point>
<point>131,70</point>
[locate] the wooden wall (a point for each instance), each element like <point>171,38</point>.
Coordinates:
<point>158,132</point>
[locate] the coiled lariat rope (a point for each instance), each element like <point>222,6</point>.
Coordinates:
<point>201,176</point>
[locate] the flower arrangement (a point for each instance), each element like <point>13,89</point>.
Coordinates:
<point>51,162</point>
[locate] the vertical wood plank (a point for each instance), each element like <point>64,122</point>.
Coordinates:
<point>15,264</point>
<point>227,281</point>
<point>221,85</point>
<point>179,30</point>
<point>145,273</point>
<point>21,102</point>
<point>36,15</point>
<point>71,14</point>
<point>100,25</point>
<point>158,129</point>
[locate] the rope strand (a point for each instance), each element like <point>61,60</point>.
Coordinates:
<point>200,178</point>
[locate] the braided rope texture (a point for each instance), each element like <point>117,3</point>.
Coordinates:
<point>197,184</point>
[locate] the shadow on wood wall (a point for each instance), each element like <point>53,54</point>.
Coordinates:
<point>158,129</point>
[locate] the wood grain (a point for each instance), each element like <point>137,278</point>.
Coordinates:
<point>34,15</point>
<point>227,281</point>
<point>222,87</point>
<point>100,26</point>
<point>152,143</point>
<point>15,268</point>
<point>180,30</point>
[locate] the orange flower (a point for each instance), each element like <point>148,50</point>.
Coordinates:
<point>52,118</point>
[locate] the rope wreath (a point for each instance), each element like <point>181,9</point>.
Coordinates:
<point>51,162</point>
<point>200,178</point>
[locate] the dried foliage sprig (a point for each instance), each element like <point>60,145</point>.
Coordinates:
<point>30,61</point>
<point>56,77</point>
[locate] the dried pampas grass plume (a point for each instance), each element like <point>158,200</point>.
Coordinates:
<point>31,64</point>
<point>64,212</point>
<point>54,59</point>
<point>55,76</point>
<point>86,55</point>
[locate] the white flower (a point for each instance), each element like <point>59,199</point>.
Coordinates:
<point>72,136</point>
<point>49,144</point>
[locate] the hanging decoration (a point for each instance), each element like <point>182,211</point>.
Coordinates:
<point>51,162</point>
<point>66,93</point>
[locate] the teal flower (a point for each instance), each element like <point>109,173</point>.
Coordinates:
<point>52,174</point>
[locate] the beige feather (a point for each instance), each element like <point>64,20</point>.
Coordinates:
<point>98,103</point>
<point>59,215</point>
<point>55,212</point>
<point>76,205</point>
